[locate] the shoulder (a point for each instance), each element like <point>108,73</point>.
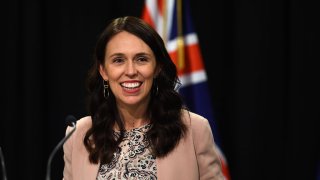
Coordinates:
<point>193,120</point>
<point>76,140</point>
<point>198,126</point>
<point>205,149</point>
<point>83,125</point>
<point>75,153</point>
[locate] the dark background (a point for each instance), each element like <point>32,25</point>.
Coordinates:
<point>261,57</point>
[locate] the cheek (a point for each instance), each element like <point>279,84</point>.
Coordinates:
<point>113,74</point>
<point>149,78</point>
<point>113,86</point>
<point>113,77</point>
<point>149,72</point>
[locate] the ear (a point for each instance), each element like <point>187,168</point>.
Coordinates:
<point>103,73</point>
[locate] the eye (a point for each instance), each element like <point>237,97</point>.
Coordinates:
<point>142,59</point>
<point>117,60</point>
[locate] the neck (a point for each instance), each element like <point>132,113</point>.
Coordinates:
<point>134,117</point>
<point>135,124</point>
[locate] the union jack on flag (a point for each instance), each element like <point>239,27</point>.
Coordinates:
<point>172,21</point>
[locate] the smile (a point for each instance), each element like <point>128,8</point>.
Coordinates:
<point>130,85</point>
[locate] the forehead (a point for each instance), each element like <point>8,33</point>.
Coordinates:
<point>126,42</point>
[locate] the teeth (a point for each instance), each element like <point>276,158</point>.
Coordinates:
<point>131,85</point>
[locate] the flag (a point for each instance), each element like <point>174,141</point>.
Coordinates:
<point>172,20</point>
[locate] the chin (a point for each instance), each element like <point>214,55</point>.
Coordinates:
<point>131,100</point>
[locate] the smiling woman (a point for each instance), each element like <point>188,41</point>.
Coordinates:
<point>138,127</point>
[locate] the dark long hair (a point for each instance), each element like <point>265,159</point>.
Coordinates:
<point>165,106</point>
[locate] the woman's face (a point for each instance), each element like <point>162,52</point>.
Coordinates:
<point>129,66</point>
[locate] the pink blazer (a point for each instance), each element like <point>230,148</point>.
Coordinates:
<point>195,157</point>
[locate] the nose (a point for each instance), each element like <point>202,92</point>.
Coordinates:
<point>131,70</point>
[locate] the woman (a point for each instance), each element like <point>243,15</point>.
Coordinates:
<point>138,127</point>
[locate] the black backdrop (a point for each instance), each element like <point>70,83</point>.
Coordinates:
<point>261,59</point>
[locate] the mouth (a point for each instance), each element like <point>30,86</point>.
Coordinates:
<point>130,85</point>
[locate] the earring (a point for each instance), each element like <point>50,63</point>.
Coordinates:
<point>157,90</point>
<point>105,89</point>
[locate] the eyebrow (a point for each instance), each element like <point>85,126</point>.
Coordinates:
<point>116,54</point>
<point>143,54</point>
<point>138,54</point>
